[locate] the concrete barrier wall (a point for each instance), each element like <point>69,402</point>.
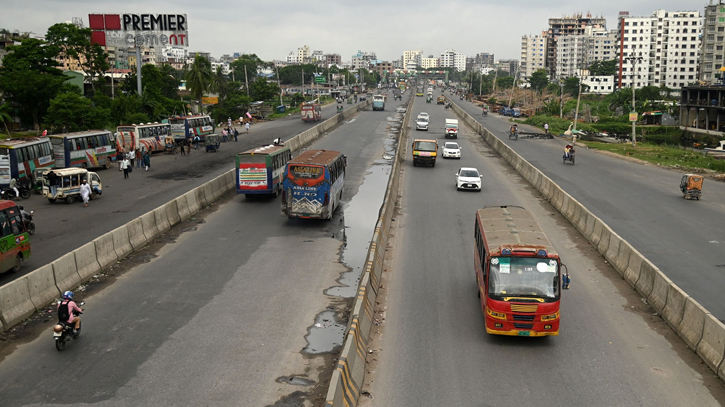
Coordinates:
<point>105,253</point>
<point>86,261</point>
<point>65,272</point>
<point>135,234</point>
<point>15,304</point>
<point>41,286</point>
<point>700,330</point>
<point>121,241</point>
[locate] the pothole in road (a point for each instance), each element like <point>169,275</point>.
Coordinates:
<point>295,381</point>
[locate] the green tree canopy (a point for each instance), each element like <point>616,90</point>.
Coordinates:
<point>603,68</point>
<point>253,65</point>
<point>260,89</point>
<point>75,43</point>
<point>198,78</point>
<point>539,80</point>
<point>70,112</point>
<point>29,78</point>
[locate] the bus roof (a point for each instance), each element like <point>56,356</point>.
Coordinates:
<point>144,125</point>
<point>19,142</point>
<point>513,227</point>
<point>79,133</point>
<point>188,117</point>
<point>264,150</point>
<point>320,157</point>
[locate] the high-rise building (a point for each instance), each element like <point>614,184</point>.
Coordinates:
<point>333,59</point>
<point>567,25</point>
<point>533,54</point>
<point>412,59</point>
<point>303,55</point>
<point>712,49</point>
<point>659,50</point>
<point>363,59</point>
<point>430,62</point>
<point>570,55</point>
<point>453,59</point>
<point>484,59</point>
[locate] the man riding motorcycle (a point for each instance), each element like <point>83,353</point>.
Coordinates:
<point>66,308</point>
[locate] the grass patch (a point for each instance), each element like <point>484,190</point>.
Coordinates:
<point>662,155</point>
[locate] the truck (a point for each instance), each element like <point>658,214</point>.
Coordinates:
<point>452,128</point>
<point>425,152</point>
<point>379,102</point>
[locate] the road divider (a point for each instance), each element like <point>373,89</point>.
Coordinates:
<point>699,329</point>
<point>22,297</point>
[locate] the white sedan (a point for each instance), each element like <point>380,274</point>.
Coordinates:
<point>451,150</point>
<point>468,178</point>
<point>424,115</point>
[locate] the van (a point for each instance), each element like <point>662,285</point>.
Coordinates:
<point>65,184</point>
<point>452,128</point>
<point>425,152</point>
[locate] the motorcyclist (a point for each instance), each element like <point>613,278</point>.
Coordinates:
<point>66,308</point>
<point>14,187</point>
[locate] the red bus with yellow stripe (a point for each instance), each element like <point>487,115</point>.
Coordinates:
<point>150,137</point>
<point>518,273</point>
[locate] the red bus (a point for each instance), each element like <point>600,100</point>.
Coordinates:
<point>518,273</point>
<point>14,238</point>
<point>311,112</point>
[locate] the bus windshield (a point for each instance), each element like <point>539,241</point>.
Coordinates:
<point>523,277</point>
<point>306,171</point>
<point>424,146</point>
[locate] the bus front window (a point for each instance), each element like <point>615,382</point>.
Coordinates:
<point>523,277</point>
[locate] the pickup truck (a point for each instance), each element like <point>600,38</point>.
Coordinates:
<point>452,128</point>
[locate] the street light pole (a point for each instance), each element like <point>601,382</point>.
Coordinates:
<point>634,59</point>
<point>561,98</point>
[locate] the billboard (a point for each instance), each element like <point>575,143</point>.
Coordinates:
<point>144,30</point>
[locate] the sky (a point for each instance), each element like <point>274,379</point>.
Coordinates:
<point>273,28</point>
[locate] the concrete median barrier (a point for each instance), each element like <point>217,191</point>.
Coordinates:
<point>161,220</point>
<point>612,254</point>
<point>712,345</point>
<point>148,222</point>
<point>660,288</point>
<point>693,322</point>
<point>201,198</point>
<point>622,260</point>
<point>591,222</point>
<point>105,253</point>
<point>121,242</point>
<point>135,234</point>
<point>646,280</point>
<point>65,272</point>
<point>191,202</point>
<point>634,267</point>
<point>15,304</point>
<point>86,261</point>
<point>172,213</point>
<point>210,192</point>
<point>183,207</point>
<point>675,306</point>
<point>41,286</point>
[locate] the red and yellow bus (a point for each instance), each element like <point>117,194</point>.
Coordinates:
<point>311,112</point>
<point>259,170</point>
<point>312,184</point>
<point>14,239</point>
<point>150,137</point>
<point>518,273</point>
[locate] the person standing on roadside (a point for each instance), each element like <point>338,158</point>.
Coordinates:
<point>146,160</point>
<point>85,192</point>
<point>546,128</point>
<point>246,125</point>
<point>236,134</point>
<point>125,164</point>
<point>138,157</point>
<point>229,122</point>
<point>131,157</point>
<point>182,144</point>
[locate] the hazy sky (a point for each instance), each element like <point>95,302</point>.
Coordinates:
<point>273,28</point>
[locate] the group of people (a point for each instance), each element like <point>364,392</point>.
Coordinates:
<point>126,160</point>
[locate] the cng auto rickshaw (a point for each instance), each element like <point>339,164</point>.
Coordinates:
<point>212,143</point>
<point>65,184</point>
<point>691,186</point>
<point>38,179</point>
<point>171,146</point>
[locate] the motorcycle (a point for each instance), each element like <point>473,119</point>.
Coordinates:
<point>28,220</point>
<point>63,331</point>
<point>9,193</point>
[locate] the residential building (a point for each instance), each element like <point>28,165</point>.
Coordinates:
<point>568,25</point>
<point>333,59</point>
<point>484,59</point>
<point>303,55</point>
<point>659,50</point>
<point>430,62</point>
<point>533,54</point>
<point>292,58</point>
<point>601,46</point>
<point>317,57</point>
<point>509,65</point>
<point>602,85</point>
<point>570,55</point>
<point>362,59</point>
<point>713,42</point>
<point>412,59</point>
<point>382,66</point>
<point>453,59</point>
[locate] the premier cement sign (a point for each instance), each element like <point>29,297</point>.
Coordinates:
<point>143,30</point>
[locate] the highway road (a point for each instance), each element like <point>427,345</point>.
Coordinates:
<point>643,204</point>
<point>232,311</point>
<point>432,349</point>
<point>62,228</point>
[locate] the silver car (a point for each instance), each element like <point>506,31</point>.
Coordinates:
<point>468,178</point>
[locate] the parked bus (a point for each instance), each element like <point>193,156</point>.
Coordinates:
<point>311,112</point>
<point>184,127</point>
<point>312,184</point>
<point>85,149</point>
<point>518,273</point>
<point>259,170</point>
<point>149,137</point>
<point>14,239</point>
<point>19,159</point>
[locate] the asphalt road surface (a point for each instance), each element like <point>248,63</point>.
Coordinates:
<point>231,312</point>
<point>432,349</point>
<point>61,228</point>
<point>643,204</point>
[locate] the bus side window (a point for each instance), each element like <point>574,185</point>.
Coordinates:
<point>5,224</point>
<point>14,219</point>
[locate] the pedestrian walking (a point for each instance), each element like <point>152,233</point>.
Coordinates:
<point>236,134</point>
<point>188,146</point>
<point>246,125</point>
<point>146,160</point>
<point>546,128</point>
<point>125,167</point>
<point>182,144</point>
<point>119,158</point>
<point>138,157</point>
<point>196,142</point>
<point>85,192</point>
<point>131,157</point>
<point>224,135</point>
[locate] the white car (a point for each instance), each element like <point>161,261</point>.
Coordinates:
<point>451,150</point>
<point>424,115</point>
<point>421,123</point>
<point>468,178</point>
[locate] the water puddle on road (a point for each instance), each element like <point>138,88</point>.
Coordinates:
<point>325,335</point>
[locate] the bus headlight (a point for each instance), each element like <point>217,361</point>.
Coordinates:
<point>550,317</point>
<point>496,315</point>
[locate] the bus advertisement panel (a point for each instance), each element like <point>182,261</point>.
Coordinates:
<point>19,158</point>
<point>260,170</point>
<point>312,184</point>
<point>518,273</point>
<point>149,137</point>
<point>184,127</point>
<point>85,149</point>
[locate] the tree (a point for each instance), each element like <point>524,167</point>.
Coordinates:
<point>260,89</point>
<point>198,78</point>
<point>603,68</point>
<point>539,80</point>
<point>218,80</point>
<point>234,104</point>
<point>29,78</point>
<point>252,63</point>
<point>571,86</point>
<point>75,44</point>
<point>5,116</point>
<point>70,112</point>
<point>505,82</point>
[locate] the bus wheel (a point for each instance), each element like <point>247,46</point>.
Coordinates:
<point>108,163</point>
<point>18,263</point>
<point>70,199</point>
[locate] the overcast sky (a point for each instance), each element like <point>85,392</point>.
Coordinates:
<point>273,28</point>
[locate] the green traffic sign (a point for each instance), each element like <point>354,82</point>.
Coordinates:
<point>320,79</point>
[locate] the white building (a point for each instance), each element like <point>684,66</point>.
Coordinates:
<point>362,59</point>
<point>712,49</point>
<point>601,46</point>
<point>223,65</point>
<point>533,54</point>
<point>570,55</point>
<point>292,58</point>
<point>454,59</point>
<point>414,56</point>
<point>428,63</point>
<point>666,46</point>
<point>602,85</point>
<point>303,54</point>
